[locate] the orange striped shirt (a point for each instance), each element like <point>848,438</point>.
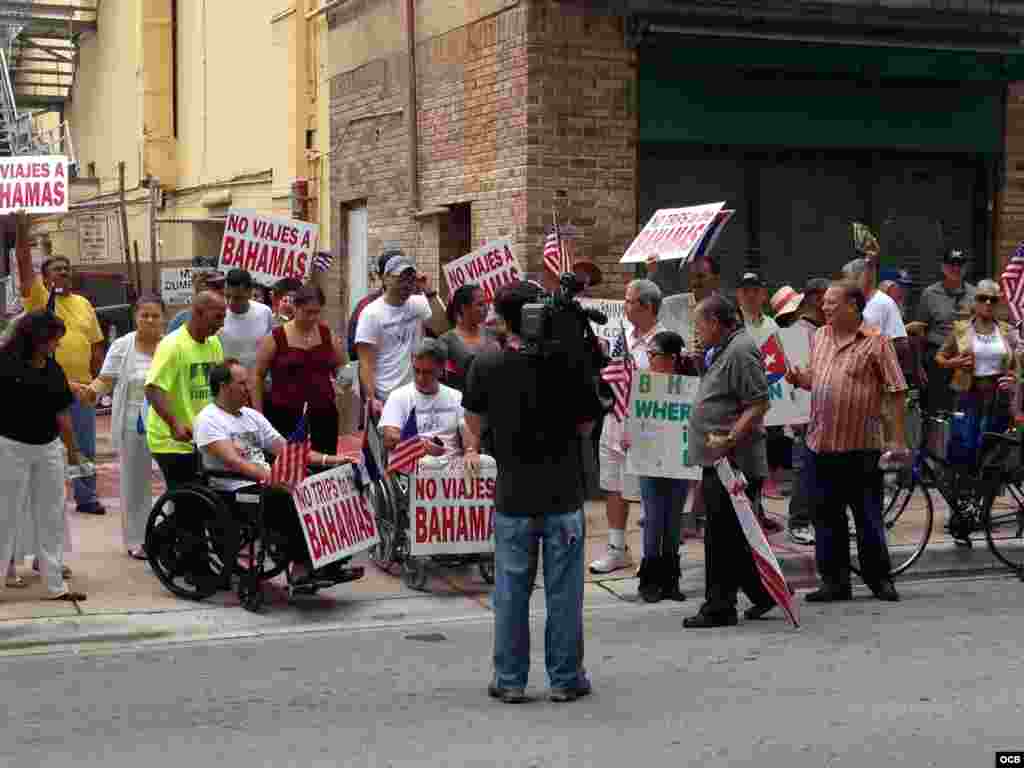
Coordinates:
<point>847,382</point>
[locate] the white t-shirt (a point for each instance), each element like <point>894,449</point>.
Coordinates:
<point>988,354</point>
<point>250,431</point>
<point>394,331</point>
<point>241,334</point>
<point>884,314</point>
<point>437,415</point>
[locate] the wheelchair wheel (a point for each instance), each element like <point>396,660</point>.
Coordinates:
<point>183,541</point>
<point>486,568</point>
<point>275,548</point>
<point>384,552</point>
<point>414,573</point>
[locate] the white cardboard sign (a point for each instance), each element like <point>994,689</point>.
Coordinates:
<point>335,518</point>
<point>490,266</point>
<point>34,184</point>
<point>659,425</point>
<point>176,285</point>
<point>450,514</point>
<point>788,405</point>
<point>673,233</point>
<point>269,247</point>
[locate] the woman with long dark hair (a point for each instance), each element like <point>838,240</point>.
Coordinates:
<point>302,357</point>
<point>466,312</point>
<point>32,463</point>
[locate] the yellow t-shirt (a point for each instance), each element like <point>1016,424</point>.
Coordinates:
<point>181,368</point>
<point>74,353</point>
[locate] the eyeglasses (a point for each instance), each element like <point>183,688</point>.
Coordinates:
<point>988,299</point>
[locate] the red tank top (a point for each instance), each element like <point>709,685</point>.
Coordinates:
<point>303,375</point>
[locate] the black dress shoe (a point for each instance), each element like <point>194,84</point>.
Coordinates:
<point>755,612</point>
<point>703,620</point>
<point>830,595</point>
<point>886,591</point>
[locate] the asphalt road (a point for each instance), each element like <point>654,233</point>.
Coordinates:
<point>935,680</point>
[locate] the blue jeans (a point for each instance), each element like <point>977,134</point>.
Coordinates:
<point>664,499</point>
<point>517,541</point>
<point>83,423</point>
<point>800,500</point>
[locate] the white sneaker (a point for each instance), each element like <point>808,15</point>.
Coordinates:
<point>802,534</point>
<point>614,560</point>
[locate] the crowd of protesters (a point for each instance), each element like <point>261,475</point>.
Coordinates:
<point>231,377</point>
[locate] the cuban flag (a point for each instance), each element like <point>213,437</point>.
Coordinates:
<point>410,449</point>
<point>774,359</point>
<point>764,559</point>
<point>291,465</point>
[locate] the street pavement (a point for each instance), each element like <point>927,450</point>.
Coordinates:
<point>125,600</point>
<point>931,681</point>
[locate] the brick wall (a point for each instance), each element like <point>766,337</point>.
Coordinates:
<point>582,136</point>
<point>1009,225</point>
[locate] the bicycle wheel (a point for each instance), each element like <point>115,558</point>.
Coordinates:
<point>907,516</point>
<point>1003,520</point>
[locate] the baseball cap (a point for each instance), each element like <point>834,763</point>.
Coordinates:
<point>385,257</point>
<point>751,279</point>
<point>213,277</point>
<point>398,264</point>
<point>955,256</point>
<point>816,285</point>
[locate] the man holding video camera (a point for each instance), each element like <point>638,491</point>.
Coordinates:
<point>538,405</point>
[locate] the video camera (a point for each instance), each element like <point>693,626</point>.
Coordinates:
<point>557,328</point>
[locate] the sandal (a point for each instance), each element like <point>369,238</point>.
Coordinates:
<point>69,596</point>
<point>16,582</point>
<point>138,554</point>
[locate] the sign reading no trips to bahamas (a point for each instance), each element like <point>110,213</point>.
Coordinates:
<point>35,184</point>
<point>335,518</point>
<point>270,248</point>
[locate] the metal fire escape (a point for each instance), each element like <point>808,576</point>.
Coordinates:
<point>38,58</point>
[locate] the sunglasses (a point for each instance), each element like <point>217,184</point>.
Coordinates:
<point>988,299</point>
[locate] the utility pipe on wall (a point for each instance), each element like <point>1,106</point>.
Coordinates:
<point>411,117</point>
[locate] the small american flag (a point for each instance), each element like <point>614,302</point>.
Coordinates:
<point>410,449</point>
<point>322,261</point>
<point>290,466</point>
<point>556,259</point>
<point>619,375</point>
<point>1012,282</point>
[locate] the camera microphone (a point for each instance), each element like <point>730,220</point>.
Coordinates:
<point>595,316</point>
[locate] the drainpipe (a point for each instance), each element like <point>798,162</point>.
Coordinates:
<point>410,32</point>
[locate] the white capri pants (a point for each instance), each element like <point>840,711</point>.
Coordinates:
<point>136,487</point>
<point>32,504</point>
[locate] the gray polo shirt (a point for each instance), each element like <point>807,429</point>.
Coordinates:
<point>734,381</point>
<point>939,308</point>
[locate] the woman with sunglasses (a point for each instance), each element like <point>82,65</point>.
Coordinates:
<point>663,497</point>
<point>982,352</point>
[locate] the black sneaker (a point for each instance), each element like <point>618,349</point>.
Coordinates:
<point>705,620</point>
<point>563,695</point>
<point>506,695</point>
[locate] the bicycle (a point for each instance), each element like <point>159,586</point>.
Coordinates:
<point>970,492</point>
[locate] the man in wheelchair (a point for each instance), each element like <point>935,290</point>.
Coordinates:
<point>425,407</point>
<point>233,438</point>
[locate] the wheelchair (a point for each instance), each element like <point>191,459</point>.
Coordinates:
<point>389,499</point>
<point>196,533</point>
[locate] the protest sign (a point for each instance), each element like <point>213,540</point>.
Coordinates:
<point>34,184</point>
<point>270,248</point>
<point>490,266</point>
<point>659,425</point>
<point>677,314</point>
<point>336,520</point>
<point>450,514</point>
<point>673,233</point>
<point>615,311</point>
<point>788,405</point>
<point>176,285</point>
